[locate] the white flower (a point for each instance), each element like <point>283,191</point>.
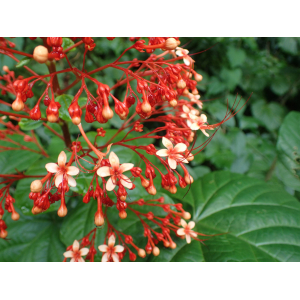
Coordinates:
<point>198,123</point>
<point>188,113</point>
<point>75,254</point>
<point>195,98</point>
<point>111,250</point>
<point>186,230</point>
<point>183,52</point>
<point>172,152</point>
<point>115,171</point>
<point>62,170</point>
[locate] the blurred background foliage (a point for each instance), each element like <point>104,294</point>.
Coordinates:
<point>262,141</point>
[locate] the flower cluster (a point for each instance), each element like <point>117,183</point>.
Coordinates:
<point>166,94</point>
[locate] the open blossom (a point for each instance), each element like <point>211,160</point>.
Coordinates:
<point>195,98</point>
<point>115,173</point>
<point>198,122</point>
<point>62,170</point>
<point>186,230</point>
<point>188,113</point>
<point>183,52</point>
<point>111,250</point>
<point>172,152</point>
<point>75,254</point>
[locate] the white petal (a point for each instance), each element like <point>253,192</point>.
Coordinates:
<point>58,179</point>
<point>72,170</point>
<point>193,234</point>
<point>103,248</point>
<point>103,171</point>
<point>115,257</point>
<point>81,259</point>
<point>111,241</point>
<point>125,167</point>
<point>162,152</point>
<point>167,143</point>
<point>188,238</point>
<point>84,251</point>
<point>114,160</point>
<point>119,248</point>
<point>187,61</point>
<point>183,223</point>
<point>75,246</point>
<point>71,181</point>
<point>68,254</point>
<point>51,167</point>
<point>104,258</point>
<point>185,109</point>
<point>172,163</point>
<point>72,260</point>
<point>203,118</point>
<point>110,185</point>
<point>62,158</point>
<point>191,224</point>
<point>180,231</point>
<point>204,132</point>
<point>180,147</point>
<point>125,181</point>
<point>179,52</point>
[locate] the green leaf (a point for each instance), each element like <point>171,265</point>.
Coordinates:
<point>65,101</point>
<point>270,114</point>
<point>257,221</point>
<point>24,61</point>
<point>27,124</point>
<point>236,56</point>
<point>288,147</point>
<point>67,42</point>
<point>31,239</point>
<point>288,45</point>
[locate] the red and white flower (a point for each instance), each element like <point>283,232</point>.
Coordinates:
<point>188,113</point>
<point>183,52</point>
<point>186,230</point>
<point>76,254</point>
<point>197,123</point>
<point>62,171</point>
<point>115,173</point>
<point>195,98</point>
<point>172,152</point>
<point>111,250</point>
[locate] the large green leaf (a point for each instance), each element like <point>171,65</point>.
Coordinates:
<point>288,147</point>
<point>32,239</point>
<point>257,221</point>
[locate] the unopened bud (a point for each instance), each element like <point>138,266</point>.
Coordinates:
<point>36,186</point>
<point>173,245</point>
<point>99,220</point>
<point>40,54</point>
<point>142,253</point>
<point>186,215</point>
<point>198,77</point>
<point>107,112</point>
<point>146,107</point>
<point>173,102</point>
<point>151,190</point>
<point>155,251</point>
<point>18,104</point>
<point>170,44</point>
<point>62,211</point>
<point>188,179</point>
<point>3,234</point>
<point>123,214</point>
<point>181,84</point>
<point>15,216</point>
<point>5,69</point>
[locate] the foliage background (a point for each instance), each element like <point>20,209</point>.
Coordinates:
<point>247,177</point>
